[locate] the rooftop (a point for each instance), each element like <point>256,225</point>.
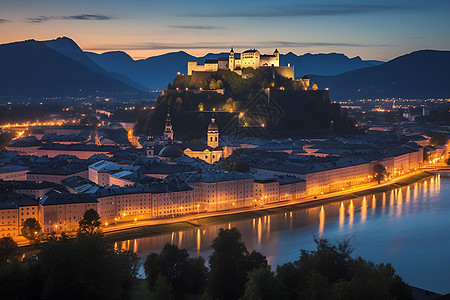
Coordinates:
<point>67,198</point>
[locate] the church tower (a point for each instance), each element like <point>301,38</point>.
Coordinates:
<point>231,60</point>
<point>212,136</point>
<point>168,131</point>
<point>150,147</point>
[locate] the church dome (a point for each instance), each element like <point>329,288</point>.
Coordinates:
<point>170,151</point>
<point>213,125</point>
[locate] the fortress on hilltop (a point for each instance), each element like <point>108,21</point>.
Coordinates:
<point>248,59</point>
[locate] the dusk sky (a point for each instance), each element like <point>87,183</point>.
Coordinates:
<point>371,29</point>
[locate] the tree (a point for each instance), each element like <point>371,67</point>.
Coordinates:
<point>5,139</point>
<point>163,289</point>
<point>439,138</point>
<point>128,262</point>
<point>31,229</point>
<point>90,223</point>
<point>184,273</point>
<point>241,166</point>
<point>213,85</point>
<point>229,264</point>
<point>379,172</point>
<point>8,250</point>
<point>89,120</point>
<point>195,275</point>
<point>262,285</point>
<point>86,267</point>
<point>329,272</point>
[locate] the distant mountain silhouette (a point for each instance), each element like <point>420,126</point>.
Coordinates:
<point>157,71</point>
<point>421,74</point>
<point>33,69</point>
<point>69,48</point>
<point>324,63</point>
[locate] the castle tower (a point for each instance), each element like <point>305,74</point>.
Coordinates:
<point>231,60</point>
<point>277,58</point>
<point>212,136</point>
<point>168,131</point>
<point>150,149</point>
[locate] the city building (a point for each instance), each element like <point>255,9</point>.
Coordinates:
<point>220,190</point>
<point>13,173</point>
<point>55,172</point>
<point>31,188</point>
<point>106,173</point>
<point>161,199</point>
<point>63,212</point>
<point>14,209</point>
<point>209,152</point>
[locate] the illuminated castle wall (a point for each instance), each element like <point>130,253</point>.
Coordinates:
<point>248,59</point>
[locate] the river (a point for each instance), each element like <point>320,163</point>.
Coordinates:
<point>409,227</point>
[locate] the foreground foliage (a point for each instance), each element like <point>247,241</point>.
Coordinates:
<point>329,272</point>
<point>86,267</point>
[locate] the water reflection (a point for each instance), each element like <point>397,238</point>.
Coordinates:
<point>364,210</point>
<point>399,202</point>
<point>412,235</point>
<point>341,216</point>
<point>374,204</point>
<point>199,241</point>
<point>259,232</point>
<point>350,214</point>
<point>321,221</point>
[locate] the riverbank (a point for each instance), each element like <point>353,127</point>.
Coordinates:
<point>234,216</point>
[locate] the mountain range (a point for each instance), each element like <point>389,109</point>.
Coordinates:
<point>33,69</point>
<point>61,68</point>
<point>157,71</point>
<point>418,75</point>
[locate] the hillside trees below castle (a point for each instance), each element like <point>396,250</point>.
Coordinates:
<point>299,111</point>
<point>236,84</point>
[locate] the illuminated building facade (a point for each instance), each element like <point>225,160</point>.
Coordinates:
<point>159,200</point>
<point>211,152</point>
<point>63,212</point>
<point>251,58</point>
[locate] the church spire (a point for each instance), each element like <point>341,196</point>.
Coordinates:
<point>212,136</point>
<point>168,130</point>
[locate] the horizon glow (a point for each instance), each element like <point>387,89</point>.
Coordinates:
<point>370,29</point>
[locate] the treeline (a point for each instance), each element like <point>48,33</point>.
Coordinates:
<point>255,79</point>
<point>88,267</point>
<point>296,109</point>
<point>329,272</point>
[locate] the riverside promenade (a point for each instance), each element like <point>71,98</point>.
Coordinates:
<point>150,227</point>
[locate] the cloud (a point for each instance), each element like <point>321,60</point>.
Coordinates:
<point>224,45</point>
<point>304,11</point>
<point>195,27</point>
<point>3,21</point>
<point>39,19</point>
<point>320,44</point>
<point>82,17</point>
